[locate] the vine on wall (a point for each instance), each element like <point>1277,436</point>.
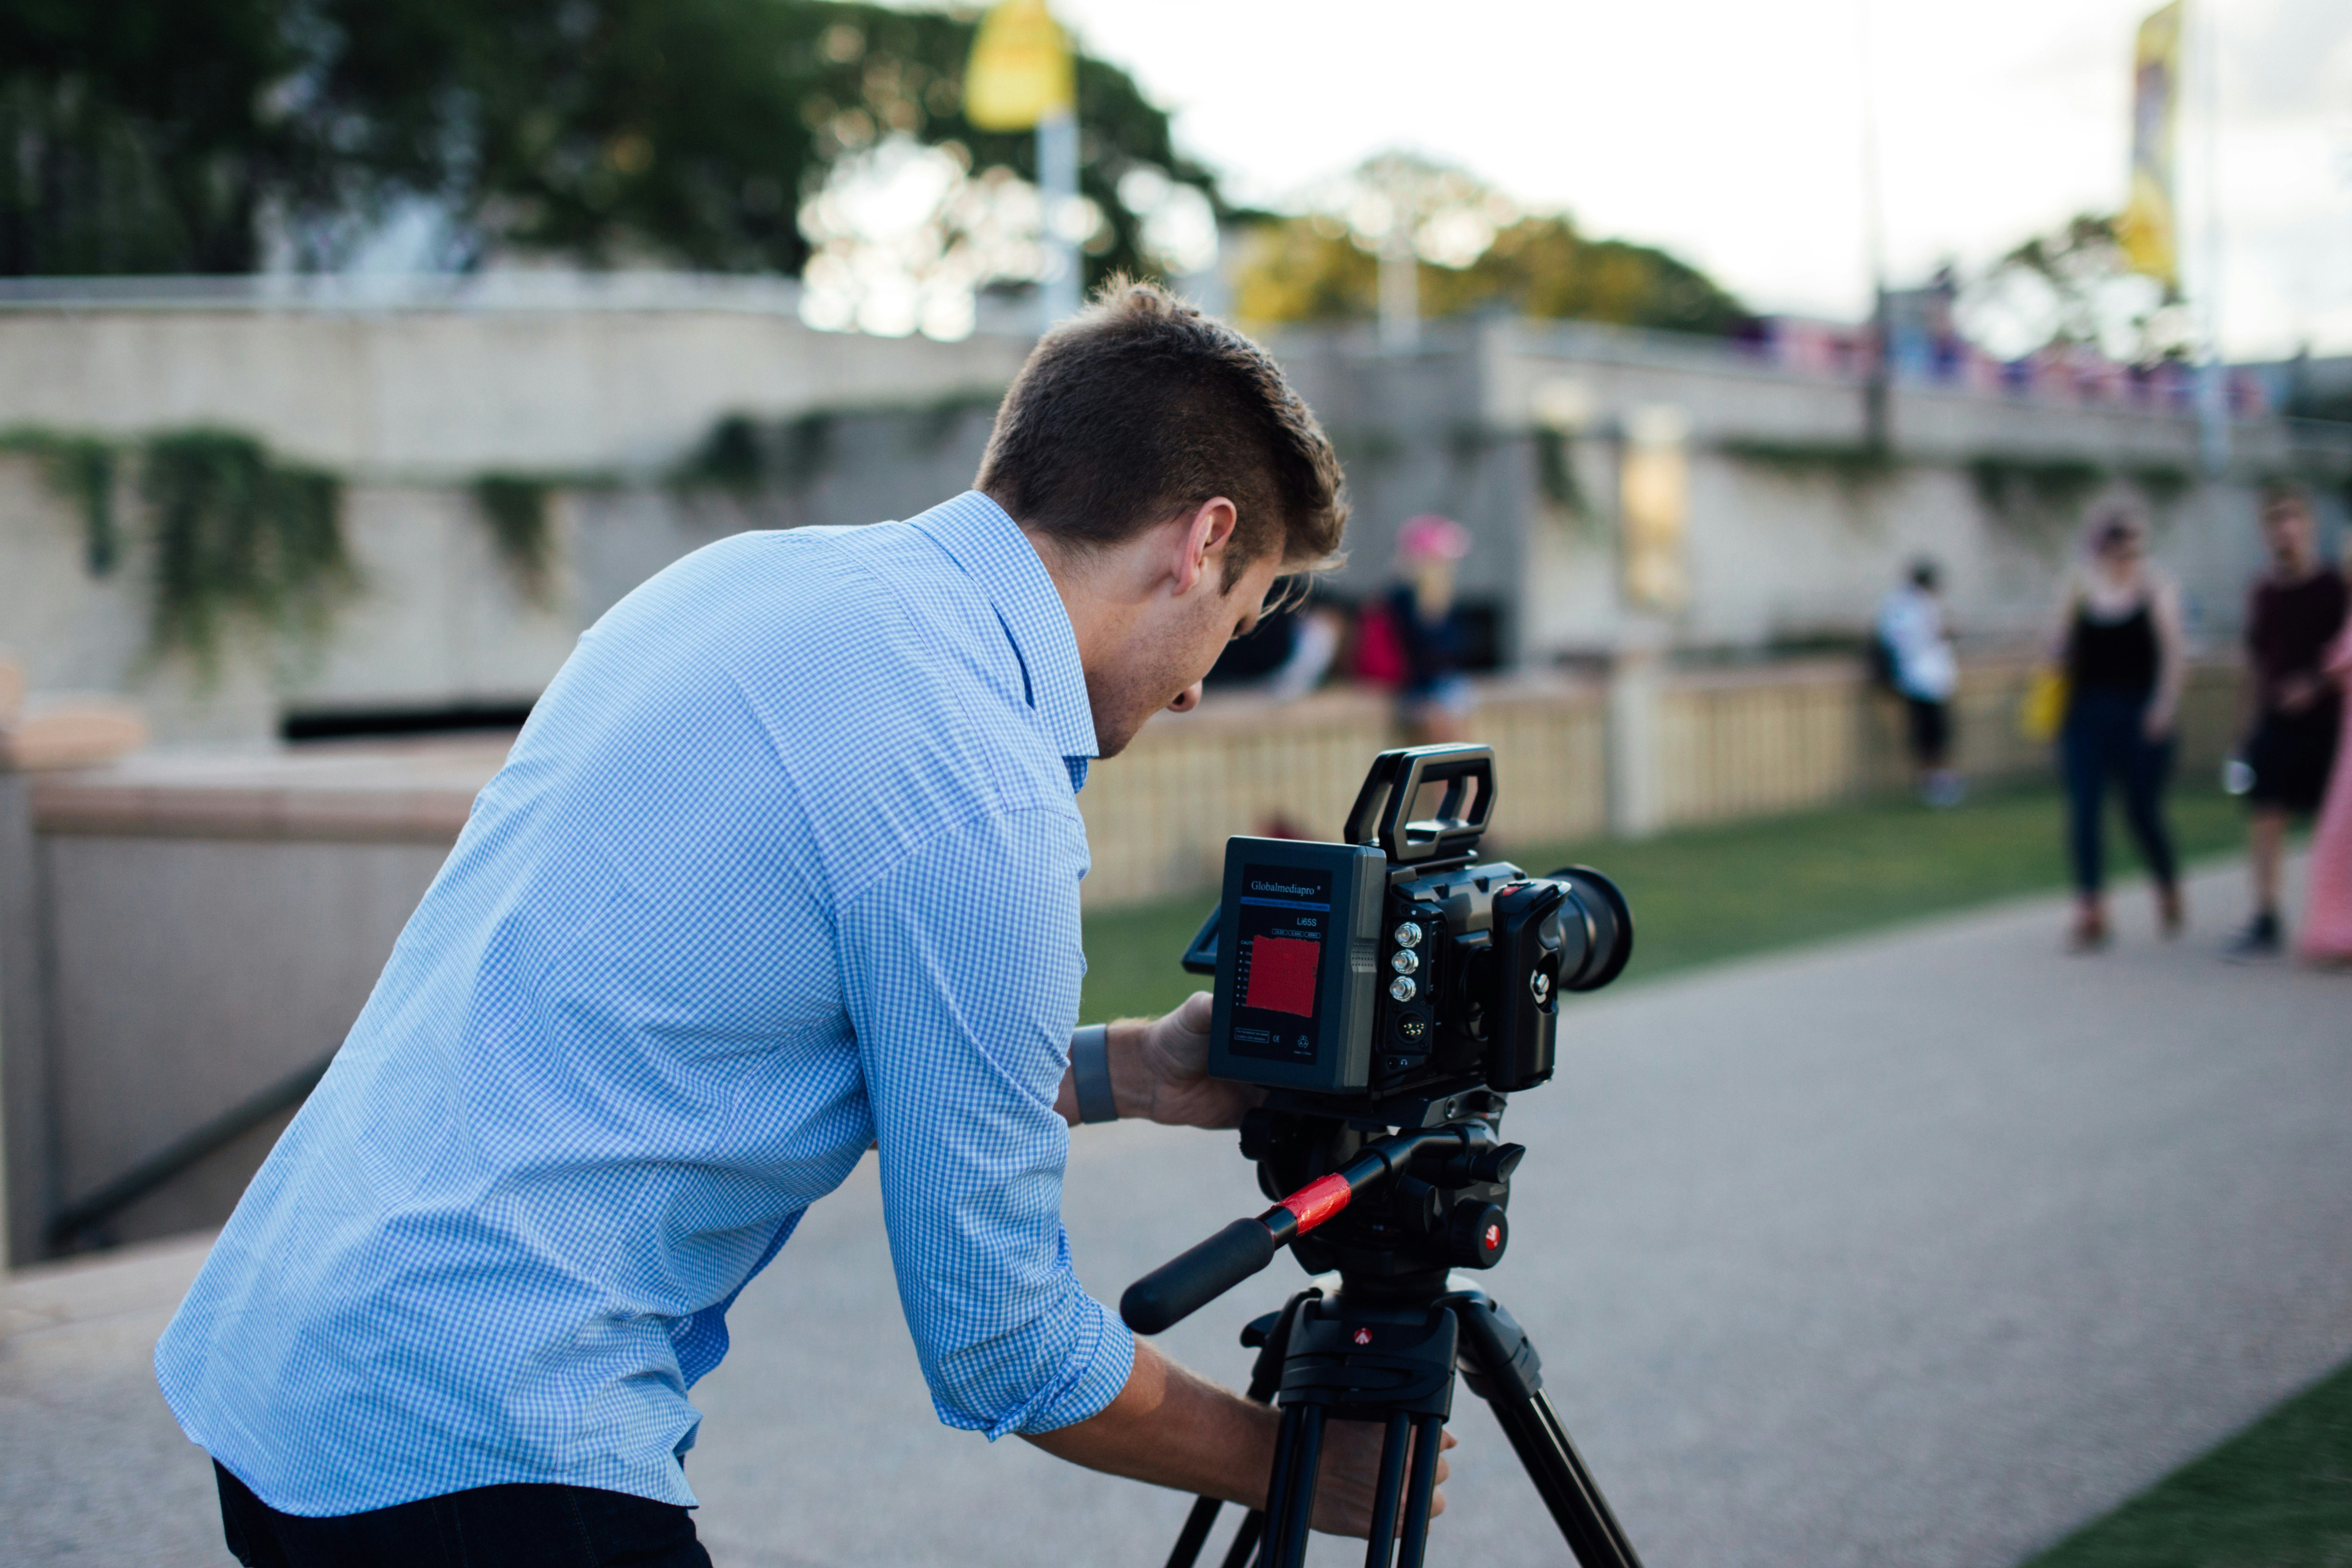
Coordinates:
<point>240,534</point>
<point>236,535</point>
<point>81,470</point>
<point>515,507</point>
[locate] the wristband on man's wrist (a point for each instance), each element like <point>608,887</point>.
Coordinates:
<point>1090,1065</point>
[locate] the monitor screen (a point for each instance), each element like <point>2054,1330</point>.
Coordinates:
<point>1283,920</point>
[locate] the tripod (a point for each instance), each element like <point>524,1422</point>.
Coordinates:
<point>1384,1348</point>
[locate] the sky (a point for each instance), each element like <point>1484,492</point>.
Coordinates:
<point>1730,132</point>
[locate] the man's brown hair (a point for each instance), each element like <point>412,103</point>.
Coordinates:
<point>1141,408</point>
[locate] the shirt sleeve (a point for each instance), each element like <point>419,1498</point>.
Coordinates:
<point>961,968</point>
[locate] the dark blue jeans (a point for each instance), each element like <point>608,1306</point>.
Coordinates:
<point>2103,740</point>
<point>488,1526</point>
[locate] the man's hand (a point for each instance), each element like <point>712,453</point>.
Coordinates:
<point>1346,1480</point>
<point>1174,1428</point>
<point>1159,1070</point>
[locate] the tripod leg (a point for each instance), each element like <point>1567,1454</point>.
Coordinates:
<point>1504,1373</point>
<point>1286,1532</point>
<point>1246,1540</point>
<point>1428,1437</point>
<point>1385,1499</point>
<point>1271,1335</point>
<point>1278,1490</point>
<point>1195,1533</point>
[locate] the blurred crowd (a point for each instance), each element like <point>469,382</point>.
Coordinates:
<point>2108,699</point>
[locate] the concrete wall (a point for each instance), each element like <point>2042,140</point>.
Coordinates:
<point>1790,536</point>
<point>441,385</point>
<point>413,400</point>
<point>189,974</point>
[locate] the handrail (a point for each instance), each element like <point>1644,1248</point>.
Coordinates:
<point>177,1157</point>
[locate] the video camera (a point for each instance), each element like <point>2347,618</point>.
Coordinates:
<point>1398,963</point>
<point>1389,992</point>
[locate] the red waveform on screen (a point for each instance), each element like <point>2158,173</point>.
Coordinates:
<point>1282,975</point>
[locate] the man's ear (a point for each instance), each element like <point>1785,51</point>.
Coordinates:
<point>1203,539</point>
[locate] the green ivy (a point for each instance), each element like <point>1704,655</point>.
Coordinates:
<point>1556,471</point>
<point>239,535</point>
<point>1848,462</point>
<point>744,457</point>
<point>80,469</point>
<point>515,506</point>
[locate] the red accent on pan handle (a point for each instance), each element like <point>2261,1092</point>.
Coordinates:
<point>1319,1200</point>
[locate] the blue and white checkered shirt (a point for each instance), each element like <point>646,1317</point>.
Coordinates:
<point>785,864</point>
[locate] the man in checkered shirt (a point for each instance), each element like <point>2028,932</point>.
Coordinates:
<point>785,865</point>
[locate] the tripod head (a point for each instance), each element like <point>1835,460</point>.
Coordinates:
<point>1392,1211</point>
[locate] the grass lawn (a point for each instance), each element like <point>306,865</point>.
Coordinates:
<point>2278,1494</point>
<point>1704,894</point>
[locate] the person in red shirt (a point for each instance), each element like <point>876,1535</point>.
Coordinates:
<point>2292,612</point>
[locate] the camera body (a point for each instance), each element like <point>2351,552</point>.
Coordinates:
<point>1400,964</point>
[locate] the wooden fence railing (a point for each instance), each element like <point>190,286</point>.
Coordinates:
<point>1740,742</point>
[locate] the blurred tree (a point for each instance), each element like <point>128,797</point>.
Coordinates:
<point>1476,251</point>
<point>192,135</point>
<point>2075,286</point>
<point>147,137</point>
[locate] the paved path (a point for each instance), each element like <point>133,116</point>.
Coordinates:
<point>1920,1249</point>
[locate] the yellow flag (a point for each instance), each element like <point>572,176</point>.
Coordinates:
<point>2148,230</point>
<point>1020,71</point>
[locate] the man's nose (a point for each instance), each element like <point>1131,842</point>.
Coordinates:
<point>1186,700</point>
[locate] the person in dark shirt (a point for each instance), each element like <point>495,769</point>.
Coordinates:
<point>2292,612</point>
<point>2125,656</point>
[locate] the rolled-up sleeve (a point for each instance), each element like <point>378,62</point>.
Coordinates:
<point>962,966</point>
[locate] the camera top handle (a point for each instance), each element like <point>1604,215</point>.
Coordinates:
<point>1468,774</point>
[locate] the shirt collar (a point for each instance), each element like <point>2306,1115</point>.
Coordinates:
<point>982,538</point>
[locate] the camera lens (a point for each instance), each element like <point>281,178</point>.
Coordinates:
<point>1608,929</point>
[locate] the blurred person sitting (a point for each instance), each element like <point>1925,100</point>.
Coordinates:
<point>1424,633</point>
<point>1921,671</point>
<point>1293,648</point>
<point>1318,629</point>
<point>2126,658</point>
<point>2293,613</point>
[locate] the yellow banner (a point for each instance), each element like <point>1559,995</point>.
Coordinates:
<point>1020,71</point>
<point>2149,228</point>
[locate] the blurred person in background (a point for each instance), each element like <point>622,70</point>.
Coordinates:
<point>2293,613</point>
<point>2126,659</point>
<point>2327,936</point>
<point>1414,637</point>
<point>1319,625</point>
<point>1294,647</point>
<point>1921,670</point>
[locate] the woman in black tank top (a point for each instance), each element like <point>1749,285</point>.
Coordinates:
<point>2117,656</point>
<point>2125,666</point>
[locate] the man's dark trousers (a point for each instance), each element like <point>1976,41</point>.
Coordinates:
<point>488,1526</point>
